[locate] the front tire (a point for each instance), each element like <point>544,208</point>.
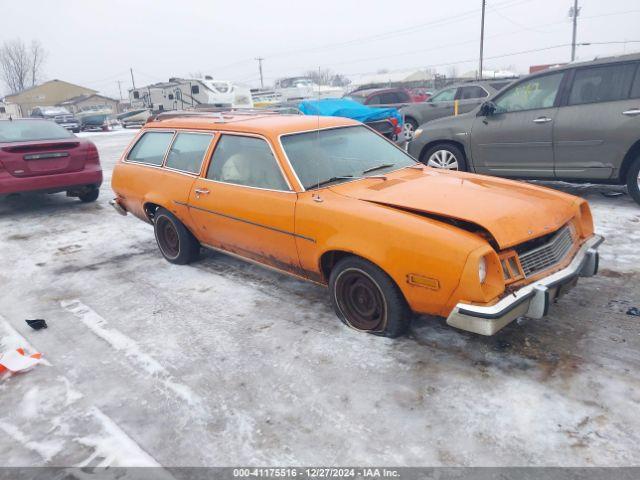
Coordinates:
<point>633,180</point>
<point>366,299</point>
<point>176,243</point>
<point>444,156</point>
<point>410,127</point>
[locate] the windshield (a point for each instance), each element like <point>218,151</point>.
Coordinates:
<point>31,130</point>
<point>341,154</point>
<point>356,98</point>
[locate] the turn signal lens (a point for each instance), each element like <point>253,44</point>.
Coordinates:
<point>417,133</point>
<point>482,270</point>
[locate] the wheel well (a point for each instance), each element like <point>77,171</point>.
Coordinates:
<point>329,259</point>
<point>150,210</point>
<point>632,154</point>
<point>410,118</point>
<point>443,142</point>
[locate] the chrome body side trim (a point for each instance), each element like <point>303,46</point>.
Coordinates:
<point>231,217</point>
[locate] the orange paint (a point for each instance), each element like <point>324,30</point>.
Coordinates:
<point>418,223</point>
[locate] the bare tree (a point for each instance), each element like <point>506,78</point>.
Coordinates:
<point>321,76</point>
<point>21,66</point>
<point>38,57</point>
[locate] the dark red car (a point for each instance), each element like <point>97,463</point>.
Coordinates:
<point>41,156</point>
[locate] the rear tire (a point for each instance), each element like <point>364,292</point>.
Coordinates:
<point>444,156</point>
<point>91,196</point>
<point>366,299</point>
<point>633,180</point>
<point>176,243</point>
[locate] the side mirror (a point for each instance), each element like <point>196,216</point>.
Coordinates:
<point>487,109</point>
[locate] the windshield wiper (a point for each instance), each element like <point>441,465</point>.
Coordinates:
<point>379,167</point>
<point>329,180</point>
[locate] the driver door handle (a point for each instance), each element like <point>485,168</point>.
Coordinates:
<point>632,113</point>
<point>542,120</point>
<point>201,191</point>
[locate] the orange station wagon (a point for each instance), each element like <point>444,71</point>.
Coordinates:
<point>331,201</point>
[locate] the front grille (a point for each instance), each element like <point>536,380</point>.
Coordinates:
<point>549,254</point>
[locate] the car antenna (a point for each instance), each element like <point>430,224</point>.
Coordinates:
<point>316,196</point>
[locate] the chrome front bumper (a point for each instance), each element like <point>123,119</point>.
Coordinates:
<point>532,300</point>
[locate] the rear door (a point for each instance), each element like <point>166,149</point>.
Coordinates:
<point>30,148</point>
<point>517,140</point>
<point>598,122</point>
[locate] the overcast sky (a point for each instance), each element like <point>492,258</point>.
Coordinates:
<point>93,43</point>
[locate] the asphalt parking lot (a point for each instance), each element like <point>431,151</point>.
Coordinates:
<point>225,363</point>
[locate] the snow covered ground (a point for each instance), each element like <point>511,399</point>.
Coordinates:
<point>225,363</point>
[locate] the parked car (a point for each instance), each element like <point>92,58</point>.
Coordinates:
<point>576,123</point>
<point>393,97</point>
<point>386,121</point>
<point>469,95</point>
<point>60,115</point>
<point>330,201</point>
<point>420,94</point>
<point>42,156</point>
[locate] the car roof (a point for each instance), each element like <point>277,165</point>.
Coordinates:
<point>372,91</point>
<point>268,124</point>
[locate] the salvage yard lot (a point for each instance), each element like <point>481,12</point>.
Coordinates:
<point>225,363</point>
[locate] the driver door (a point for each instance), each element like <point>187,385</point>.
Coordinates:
<point>243,203</point>
<point>517,139</point>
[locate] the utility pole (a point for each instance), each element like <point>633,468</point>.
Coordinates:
<point>120,89</point>
<point>573,13</point>
<point>133,82</point>
<point>484,5</point>
<point>260,59</point>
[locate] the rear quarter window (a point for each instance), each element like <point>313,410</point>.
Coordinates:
<point>187,151</point>
<point>151,148</point>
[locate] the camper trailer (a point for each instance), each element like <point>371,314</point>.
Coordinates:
<point>188,93</point>
<point>9,110</point>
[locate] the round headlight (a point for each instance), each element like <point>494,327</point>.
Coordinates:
<point>482,270</point>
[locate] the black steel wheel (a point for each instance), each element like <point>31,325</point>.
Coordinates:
<point>176,243</point>
<point>366,299</point>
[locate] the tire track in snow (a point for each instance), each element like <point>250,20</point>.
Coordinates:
<point>132,350</point>
<point>64,424</point>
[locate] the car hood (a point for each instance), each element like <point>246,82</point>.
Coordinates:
<point>511,212</point>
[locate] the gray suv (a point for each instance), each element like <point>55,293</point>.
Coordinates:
<point>580,122</point>
<point>469,95</point>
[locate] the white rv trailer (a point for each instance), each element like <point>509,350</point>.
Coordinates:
<point>9,110</point>
<point>186,93</point>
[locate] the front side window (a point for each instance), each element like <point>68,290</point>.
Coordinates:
<point>467,93</point>
<point>246,161</point>
<point>539,92</point>
<point>151,148</point>
<point>601,84</point>
<point>340,154</point>
<point>447,95</point>
<point>187,151</point>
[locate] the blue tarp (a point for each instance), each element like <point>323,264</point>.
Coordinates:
<point>344,107</point>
